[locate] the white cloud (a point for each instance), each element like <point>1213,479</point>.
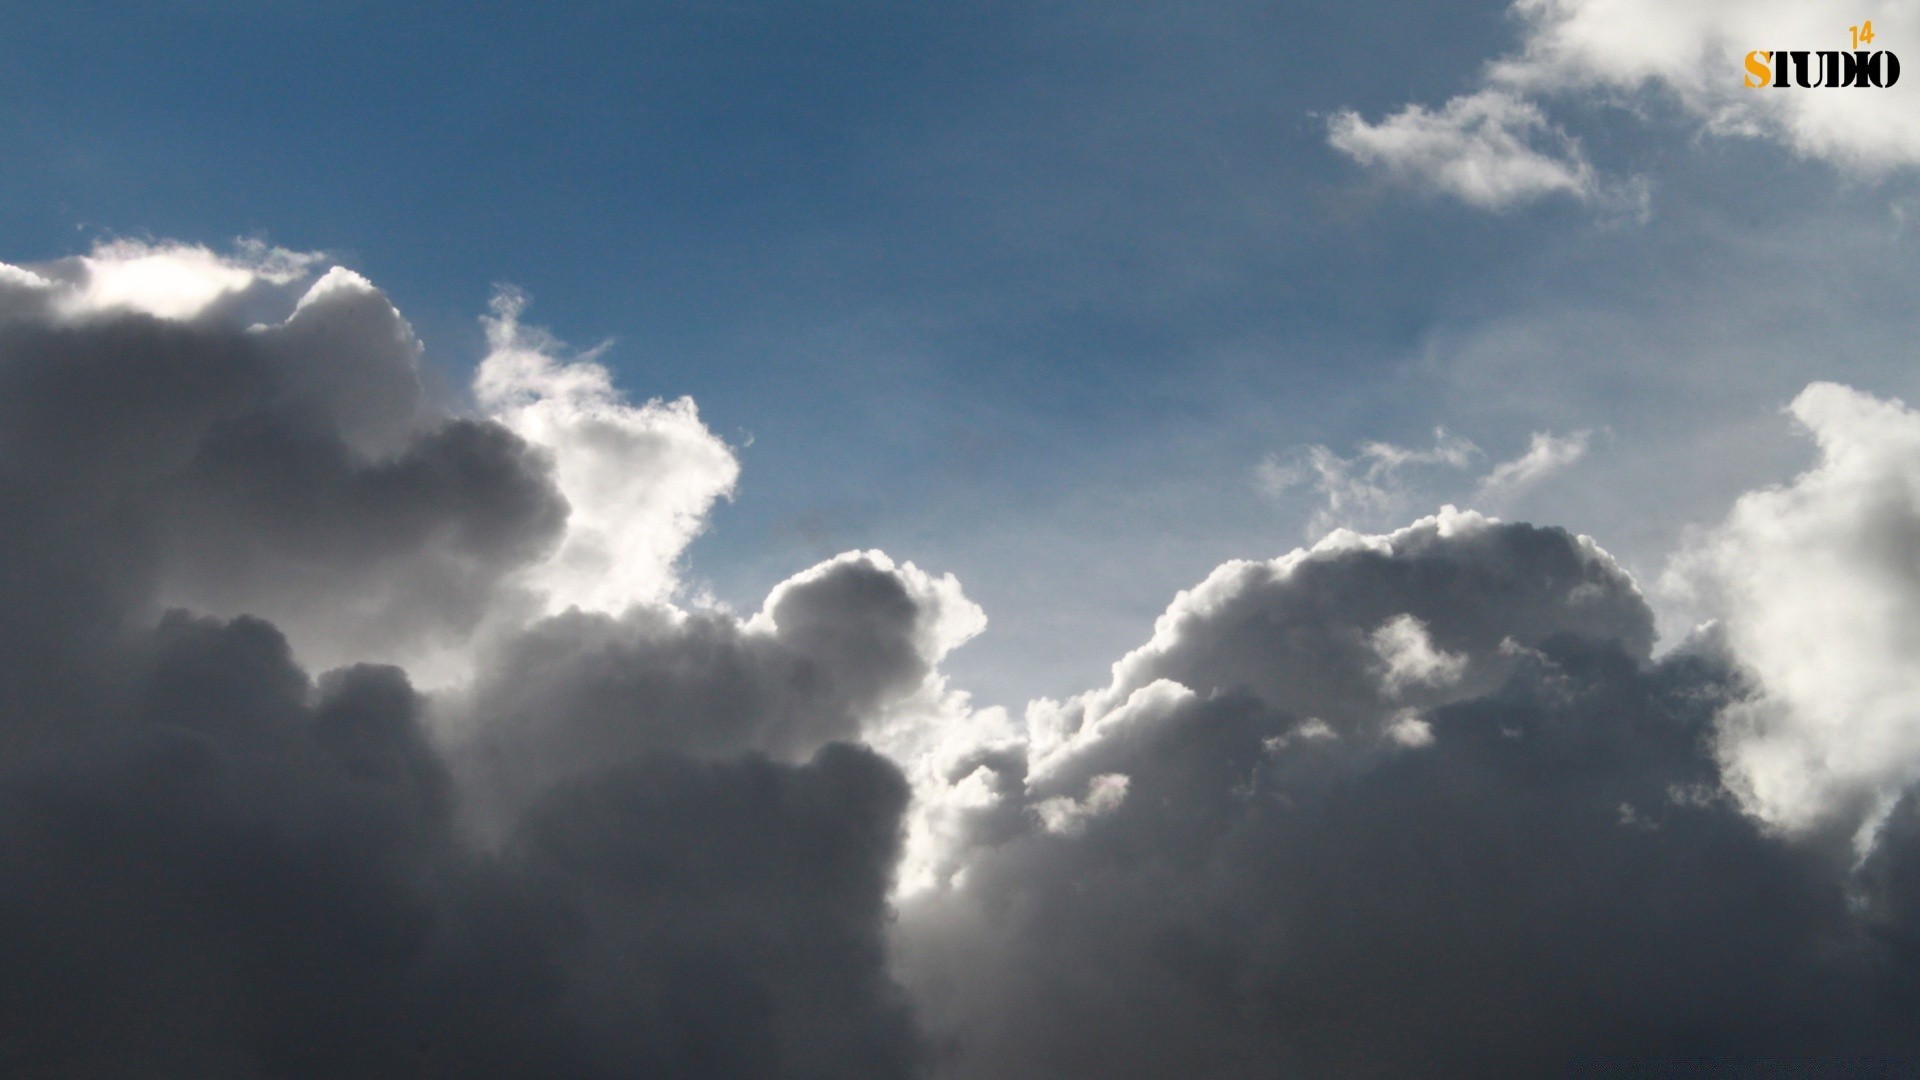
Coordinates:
<point>1817,585</point>
<point>1490,148</point>
<point>1402,644</point>
<point>1694,52</point>
<point>175,281</point>
<point>1480,146</point>
<point>1546,454</point>
<point>638,479</point>
<point>1384,483</point>
<point>1064,816</point>
<point>166,280</point>
<point>1367,489</point>
<point>1410,731</point>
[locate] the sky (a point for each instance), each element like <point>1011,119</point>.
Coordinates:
<point>954,277</point>
<point>956,540</point>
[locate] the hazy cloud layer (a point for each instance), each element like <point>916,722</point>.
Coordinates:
<point>346,736</point>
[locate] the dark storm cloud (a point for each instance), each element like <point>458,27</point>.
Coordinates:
<point>204,461</point>
<point>214,865</point>
<point>581,689</point>
<point>251,876</point>
<point>1416,805</point>
<point>1550,874</point>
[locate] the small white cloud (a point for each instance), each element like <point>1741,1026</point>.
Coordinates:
<point>1410,731</point>
<point>1410,658</point>
<point>1546,454</point>
<point>1366,489</point>
<point>1063,816</point>
<point>1312,729</point>
<point>1491,149</point>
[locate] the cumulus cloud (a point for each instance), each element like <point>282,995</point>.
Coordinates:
<point>1518,861</point>
<point>638,479</point>
<point>213,863</point>
<point>1815,586</point>
<point>1410,658</point>
<point>1495,146</point>
<point>1421,802</point>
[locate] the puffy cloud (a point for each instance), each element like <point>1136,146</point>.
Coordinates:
<point>213,864</point>
<point>638,479</point>
<point>1410,658</point>
<point>1695,53</point>
<point>1305,632</point>
<point>1423,802</point>
<point>1481,146</point>
<point>1490,148</point>
<point>1321,865</point>
<point>1815,586</point>
<point>834,651</point>
<point>290,469</point>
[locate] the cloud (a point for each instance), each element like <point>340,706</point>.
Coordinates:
<point>638,480</point>
<point>1400,803</point>
<point>1490,149</point>
<point>1384,483</point>
<point>215,864</point>
<point>1814,585</point>
<point>1371,486</point>
<point>1546,454</point>
<point>1517,861</point>
<point>1411,660</point>
<point>1068,816</point>
<point>834,651</point>
<point>1480,146</point>
<point>1695,54</point>
<point>290,468</point>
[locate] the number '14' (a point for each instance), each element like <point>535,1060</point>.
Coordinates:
<point>1862,34</point>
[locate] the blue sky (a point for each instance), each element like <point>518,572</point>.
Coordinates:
<point>1024,292</point>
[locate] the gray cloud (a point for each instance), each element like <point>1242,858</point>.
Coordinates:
<point>1289,884</point>
<point>576,691</point>
<point>1424,803</point>
<point>214,865</point>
